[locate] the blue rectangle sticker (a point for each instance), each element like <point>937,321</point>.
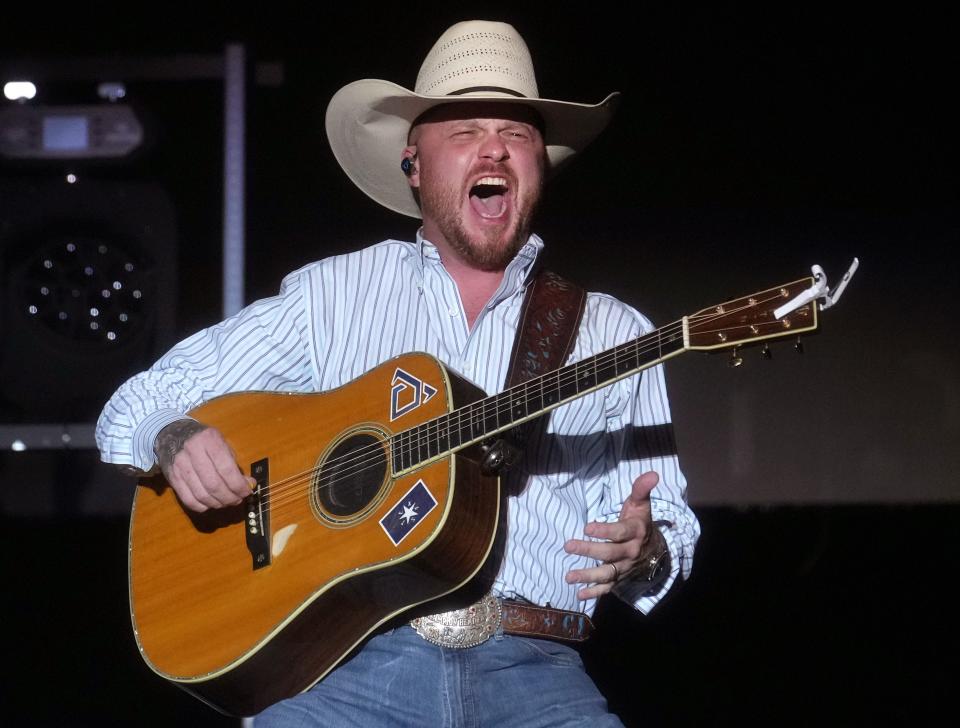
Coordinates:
<point>407,513</point>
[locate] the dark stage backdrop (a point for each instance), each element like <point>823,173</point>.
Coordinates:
<point>747,147</point>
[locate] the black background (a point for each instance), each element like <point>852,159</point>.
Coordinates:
<point>748,146</point>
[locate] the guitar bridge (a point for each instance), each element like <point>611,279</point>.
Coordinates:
<point>257,505</point>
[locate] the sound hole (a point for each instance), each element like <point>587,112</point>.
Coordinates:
<point>351,476</point>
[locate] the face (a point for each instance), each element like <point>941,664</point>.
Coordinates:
<point>479,170</point>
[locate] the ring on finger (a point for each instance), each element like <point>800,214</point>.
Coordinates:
<point>616,572</point>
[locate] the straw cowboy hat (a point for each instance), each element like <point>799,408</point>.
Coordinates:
<point>368,121</point>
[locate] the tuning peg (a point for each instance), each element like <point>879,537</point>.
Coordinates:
<point>798,346</point>
<point>735,359</point>
<point>765,353</point>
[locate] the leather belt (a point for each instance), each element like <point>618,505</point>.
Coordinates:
<point>477,623</point>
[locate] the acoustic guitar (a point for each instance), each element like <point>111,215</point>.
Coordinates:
<point>371,499</point>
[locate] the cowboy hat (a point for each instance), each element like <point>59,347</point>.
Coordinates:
<point>368,121</point>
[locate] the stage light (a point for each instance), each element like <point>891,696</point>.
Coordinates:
<point>57,132</point>
<point>19,90</point>
<point>111,91</point>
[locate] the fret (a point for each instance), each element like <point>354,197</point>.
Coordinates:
<point>443,434</point>
<point>528,401</point>
<point>423,443</point>
<point>606,368</point>
<point>586,375</point>
<point>396,456</point>
<point>411,447</point>
<point>453,430</point>
<point>464,428</point>
<point>400,451</point>
<point>626,357</point>
<point>476,420</point>
<point>490,420</point>
<point>433,439</point>
<point>504,408</point>
<point>567,382</point>
<point>550,388</point>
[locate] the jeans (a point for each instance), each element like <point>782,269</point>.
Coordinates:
<point>400,679</point>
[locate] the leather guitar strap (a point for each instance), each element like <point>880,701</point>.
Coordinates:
<point>549,321</point>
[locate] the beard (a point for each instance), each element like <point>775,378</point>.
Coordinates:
<point>488,250</point>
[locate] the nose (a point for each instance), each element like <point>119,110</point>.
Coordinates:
<point>492,147</point>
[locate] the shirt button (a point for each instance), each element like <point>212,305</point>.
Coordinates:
<point>452,311</point>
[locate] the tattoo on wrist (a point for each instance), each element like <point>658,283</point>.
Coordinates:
<point>171,438</point>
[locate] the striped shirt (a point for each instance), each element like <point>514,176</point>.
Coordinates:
<point>335,319</point>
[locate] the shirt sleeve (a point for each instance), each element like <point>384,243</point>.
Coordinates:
<point>263,347</point>
<point>640,438</point>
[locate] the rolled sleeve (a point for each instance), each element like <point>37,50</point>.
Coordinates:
<point>641,440</point>
<point>262,347</point>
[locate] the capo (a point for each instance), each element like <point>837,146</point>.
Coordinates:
<point>819,289</point>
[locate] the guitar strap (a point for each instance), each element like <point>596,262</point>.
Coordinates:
<point>549,321</point>
<point>548,326</point>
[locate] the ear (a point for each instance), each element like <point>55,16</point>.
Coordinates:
<point>410,152</point>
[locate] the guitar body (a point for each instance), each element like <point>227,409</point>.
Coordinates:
<point>248,605</point>
<point>369,502</point>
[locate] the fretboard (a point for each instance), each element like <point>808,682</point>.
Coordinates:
<point>484,418</point>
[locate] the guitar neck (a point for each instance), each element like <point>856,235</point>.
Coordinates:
<point>487,417</point>
<point>734,323</point>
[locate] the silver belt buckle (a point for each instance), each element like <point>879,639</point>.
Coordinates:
<point>461,628</point>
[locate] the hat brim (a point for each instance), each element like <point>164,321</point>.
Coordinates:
<point>368,122</point>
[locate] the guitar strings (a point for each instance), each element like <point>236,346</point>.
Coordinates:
<point>474,414</point>
<point>373,455</point>
<point>466,417</point>
<point>289,488</point>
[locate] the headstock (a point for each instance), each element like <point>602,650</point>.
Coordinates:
<point>751,318</point>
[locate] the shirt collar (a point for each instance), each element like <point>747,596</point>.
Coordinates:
<point>514,277</point>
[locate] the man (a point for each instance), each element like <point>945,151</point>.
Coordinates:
<point>599,500</point>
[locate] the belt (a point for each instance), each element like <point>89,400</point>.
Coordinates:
<point>477,623</point>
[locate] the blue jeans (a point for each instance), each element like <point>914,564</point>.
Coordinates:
<point>400,679</point>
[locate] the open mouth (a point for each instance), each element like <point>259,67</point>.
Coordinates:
<point>488,197</point>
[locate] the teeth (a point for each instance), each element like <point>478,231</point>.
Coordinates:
<point>495,181</point>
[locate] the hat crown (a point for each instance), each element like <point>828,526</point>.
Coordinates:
<point>478,57</point>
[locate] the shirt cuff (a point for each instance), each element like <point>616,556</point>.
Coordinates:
<point>639,594</point>
<point>145,436</point>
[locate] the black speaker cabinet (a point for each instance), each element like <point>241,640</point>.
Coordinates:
<point>87,291</point>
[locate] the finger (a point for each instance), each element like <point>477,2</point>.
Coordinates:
<point>616,531</point>
<point>213,447</point>
<point>214,463</point>
<point>223,477</point>
<point>640,491</point>
<point>209,479</point>
<point>594,592</point>
<point>597,550</point>
<point>601,574</point>
<point>189,487</point>
<point>626,542</point>
<point>602,585</point>
<point>637,504</point>
<point>186,495</point>
<point>226,466</point>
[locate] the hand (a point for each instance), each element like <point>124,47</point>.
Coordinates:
<point>200,466</point>
<point>626,540</point>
